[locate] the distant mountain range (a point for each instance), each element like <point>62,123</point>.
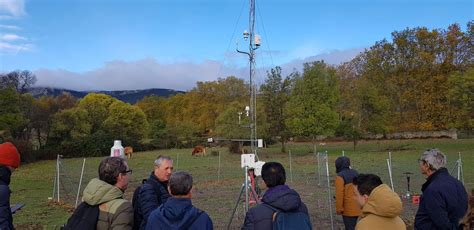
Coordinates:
<point>130,96</point>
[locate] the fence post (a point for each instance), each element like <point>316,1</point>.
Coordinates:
<point>329,191</point>
<point>319,169</point>
<point>389,165</point>
<point>80,182</point>
<point>57,175</point>
<point>219,168</point>
<point>291,170</point>
<point>177,160</point>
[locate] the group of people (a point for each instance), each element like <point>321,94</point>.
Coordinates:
<point>366,203</point>
<point>163,201</point>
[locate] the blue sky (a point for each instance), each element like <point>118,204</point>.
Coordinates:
<point>136,44</point>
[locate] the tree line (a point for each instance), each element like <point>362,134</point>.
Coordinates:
<point>421,80</point>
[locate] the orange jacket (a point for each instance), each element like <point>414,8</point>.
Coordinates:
<point>346,203</point>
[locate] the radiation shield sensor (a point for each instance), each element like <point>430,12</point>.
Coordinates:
<point>248,160</point>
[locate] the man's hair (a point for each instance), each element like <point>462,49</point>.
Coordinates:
<point>366,183</point>
<point>110,168</point>
<point>273,174</point>
<point>434,158</point>
<point>180,183</point>
<point>160,160</point>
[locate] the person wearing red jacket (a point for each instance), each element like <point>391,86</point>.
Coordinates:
<point>9,161</point>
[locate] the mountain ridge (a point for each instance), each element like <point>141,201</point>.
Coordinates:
<point>129,96</point>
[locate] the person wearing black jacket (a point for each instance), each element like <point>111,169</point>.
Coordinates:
<point>155,190</point>
<point>9,161</point>
<point>444,200</point>
<point>278,196</point>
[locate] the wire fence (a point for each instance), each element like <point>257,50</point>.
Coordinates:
<point>218,179</point>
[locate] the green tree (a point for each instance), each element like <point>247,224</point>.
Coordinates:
<point>70,125</point>
<point>275,94</point>
<point>228,124</point>
<point>126,122</point>
<point>461,99</point>
<point>311,107</point>
<point>97,107</point>
<point>12,117</point>
<point>44,109</point>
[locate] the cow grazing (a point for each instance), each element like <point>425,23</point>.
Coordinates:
<point>128,151</point>
<point>199,150</point>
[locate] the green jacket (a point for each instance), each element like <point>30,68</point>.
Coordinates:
<point>115,212</point>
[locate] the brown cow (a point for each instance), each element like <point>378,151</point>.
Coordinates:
<point>128,151</point>
<point>199,150</point>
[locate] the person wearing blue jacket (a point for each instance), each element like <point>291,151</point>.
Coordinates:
<point>178,212</point>
<point>278,196</point>
<point>444,199</point>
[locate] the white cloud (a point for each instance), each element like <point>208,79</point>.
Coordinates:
<point>141,74</point>
<point>12,37</point>
<point>11,43</point>
<point>12,9</point>
<point>333,57</point>
<point>6,17</point>
<point>9,48</point>
<point>305,50</point>
<point>148,73</point>
<point>9,27</point>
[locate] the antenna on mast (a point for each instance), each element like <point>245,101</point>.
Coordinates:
<point>254,43</point>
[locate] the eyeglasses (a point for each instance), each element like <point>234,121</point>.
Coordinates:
<point>128,171</point>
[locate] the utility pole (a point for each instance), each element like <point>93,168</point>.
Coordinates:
<point>254,43</point>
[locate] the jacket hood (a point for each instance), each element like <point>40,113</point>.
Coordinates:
<point>342,163</point>
<point>283,198</point>
<point>98,192</point>
<point>383,202</point>
<point>176,211</point>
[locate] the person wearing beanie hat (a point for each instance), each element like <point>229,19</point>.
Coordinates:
<point>346,204</point>
<point>9,161</point>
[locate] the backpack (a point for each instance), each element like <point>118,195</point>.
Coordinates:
<point>84,217</point>
<point>289,220</point>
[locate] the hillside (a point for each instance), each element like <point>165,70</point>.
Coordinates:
<point>130,96</point>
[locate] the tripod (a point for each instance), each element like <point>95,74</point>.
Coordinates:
<point>246,187</point>
<point>458,168</point>
<point>408,183</point>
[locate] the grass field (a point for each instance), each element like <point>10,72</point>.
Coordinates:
<point>216,189</point>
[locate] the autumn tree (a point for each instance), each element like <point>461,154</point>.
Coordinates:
<point>411,75</point>
<point>155,109</point>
